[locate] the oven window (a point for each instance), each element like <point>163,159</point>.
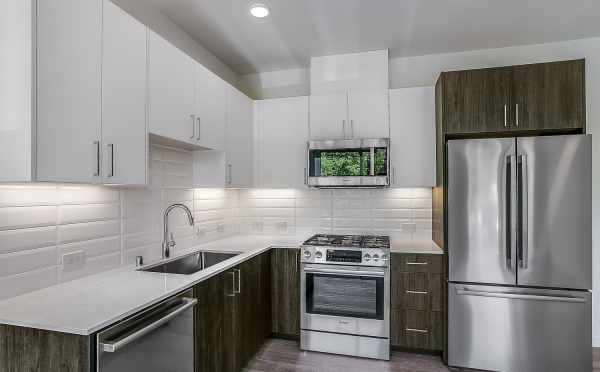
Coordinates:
<point>341,295</point>
<point>347,163</point>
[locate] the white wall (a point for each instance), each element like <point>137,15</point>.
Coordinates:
<point>424,71</point>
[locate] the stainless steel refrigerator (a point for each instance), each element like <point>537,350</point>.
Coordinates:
<point>520,253</point>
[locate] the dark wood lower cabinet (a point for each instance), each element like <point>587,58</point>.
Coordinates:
<point>417,301</point>
<point>285,292</point>
<point>232,318</point>
<point>31,350</point>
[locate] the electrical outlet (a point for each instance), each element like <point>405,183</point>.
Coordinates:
<point>281,226</point>
<point>73,261</point>
<point>257,226</point>
<point>409,227</point>
<point>221,227</point>
<point>200,232</point>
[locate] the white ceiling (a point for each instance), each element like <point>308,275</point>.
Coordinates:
<point>300,29</point>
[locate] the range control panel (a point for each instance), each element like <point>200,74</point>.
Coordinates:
<point>341,256</point>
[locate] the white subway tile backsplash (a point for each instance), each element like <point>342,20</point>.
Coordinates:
<point>92,248</point>
<point>23,261</point>
<point>21,239</point>
<point>28,281</point>
<point>88,230</point>
<point>87,213</point>
<point>87,195</point>
<point>15,196</point>
<point>24,217</point>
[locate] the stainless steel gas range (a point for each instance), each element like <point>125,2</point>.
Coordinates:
<point>345,295</point>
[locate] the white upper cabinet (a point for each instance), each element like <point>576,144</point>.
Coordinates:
<point>412,137</point>
<point>368,112</point>
<point>347,115</point>
<point>69,34</point>
<point>171,90</point>
<point>282,132</point>
<point>239,140</point>
<point>210,109</point>
<point>329,116</point>
<point>123,97</point>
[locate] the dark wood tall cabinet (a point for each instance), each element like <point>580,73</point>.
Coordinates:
<point>536,99</point>
<point>285,292</point>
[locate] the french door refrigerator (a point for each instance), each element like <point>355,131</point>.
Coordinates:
<point>520,250</point>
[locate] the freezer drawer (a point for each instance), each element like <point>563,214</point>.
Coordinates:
<point>519,330</point>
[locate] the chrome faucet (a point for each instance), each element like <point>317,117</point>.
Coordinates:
<point>168,241</point>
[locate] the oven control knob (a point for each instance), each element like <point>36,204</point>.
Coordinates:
<point>307,254</point>
<point>318,255</point>
<point>367,257</point>
<point>375,257</point>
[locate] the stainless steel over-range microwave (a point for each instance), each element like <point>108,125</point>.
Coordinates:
<point>348,163</point>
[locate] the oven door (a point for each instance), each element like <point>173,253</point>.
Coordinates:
<point>345,299</point>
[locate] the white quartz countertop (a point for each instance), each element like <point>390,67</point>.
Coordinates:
<point>87,305</point>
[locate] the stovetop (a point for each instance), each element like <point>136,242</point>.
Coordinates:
<point>349,241</point>
<point>361,250</point>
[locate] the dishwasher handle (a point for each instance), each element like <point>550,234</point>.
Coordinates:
<point>111,347</point>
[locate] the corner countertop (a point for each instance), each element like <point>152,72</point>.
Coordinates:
<point>86,305</point>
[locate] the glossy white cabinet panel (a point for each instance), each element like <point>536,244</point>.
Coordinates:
<point>282,140</point>
<point>239,140</point>
<point>69,34</point>
<point>171,90</point>
<point>124,145</point>
<point>329,116</point>
<point>210,108</point>
<point>16,94</point>
<point>412,137</point>
<point>368,112</point>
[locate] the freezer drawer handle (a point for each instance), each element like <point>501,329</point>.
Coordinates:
<point>111,347</point>
<point>417,292</point>
<point>518,296</point>
<point>416,263</point>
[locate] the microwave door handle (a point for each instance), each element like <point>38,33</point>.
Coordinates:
<point>111,347</point>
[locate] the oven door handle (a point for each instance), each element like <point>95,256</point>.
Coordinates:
<point>378,274</point>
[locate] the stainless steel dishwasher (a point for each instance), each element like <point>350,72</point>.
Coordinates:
<point>160,339</point>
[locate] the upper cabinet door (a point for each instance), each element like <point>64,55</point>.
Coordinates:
<point>123,97</point>
<point>171,91</point>
<point>477,101</point>
<point>412,137</point>
<point>283,135</point>
<point>239,140</point>
<point>69,34</point>
<point>211,109</point>
<point>329,116</point>
<point>369,114</point>
<point>550,95</point>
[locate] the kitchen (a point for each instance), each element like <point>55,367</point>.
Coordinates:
<point>186,185</point>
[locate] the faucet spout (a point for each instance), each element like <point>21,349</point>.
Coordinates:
<point>168,241</point>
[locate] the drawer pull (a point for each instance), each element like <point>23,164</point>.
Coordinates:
<point>417,292</point>
<point>416,330</point>
<point>416,263</point>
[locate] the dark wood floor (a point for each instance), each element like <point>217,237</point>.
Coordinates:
<point>285,356</point>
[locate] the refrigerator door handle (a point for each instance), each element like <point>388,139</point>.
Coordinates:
<point>509,214</point>
<point>522,246</point>
<point>519,296</point>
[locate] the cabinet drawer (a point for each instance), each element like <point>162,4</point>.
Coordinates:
<point>417,263</point>
<point>410,291</point>
<point>417,329</point>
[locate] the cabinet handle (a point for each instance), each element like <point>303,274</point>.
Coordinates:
<point>97,154</point>
<point>393,175</point>
<point>505,116</point>
<point>344,128</point>
<point>416,330</point>
<point>351,128</point>
<point>517,115</point>
<point>232,294</point>
<point>199,126</point>
<point>229,174</point>
<point>239,281</point>
<point>111,161</point>
<point>193,126</point>
<point>416,263</point>
<point>417,292</point>
<point>305,177</point>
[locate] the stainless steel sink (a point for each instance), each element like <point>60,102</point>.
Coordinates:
<point>190,263</point>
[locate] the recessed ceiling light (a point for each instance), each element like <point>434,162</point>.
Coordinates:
<point>259,10</point>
